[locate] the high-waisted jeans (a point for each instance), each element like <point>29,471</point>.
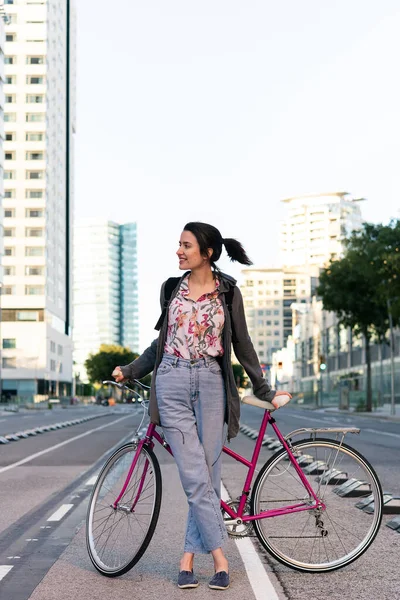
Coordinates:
<point>191,401</point>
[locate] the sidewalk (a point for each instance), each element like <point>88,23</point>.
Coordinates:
<point>383,412</point>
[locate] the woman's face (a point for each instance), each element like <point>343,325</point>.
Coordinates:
<point>189,252</point>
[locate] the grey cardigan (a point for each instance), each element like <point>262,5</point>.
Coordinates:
<point>150,359</point>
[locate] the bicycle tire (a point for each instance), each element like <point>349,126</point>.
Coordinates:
<point>144,491</point>
<point>284,530</point>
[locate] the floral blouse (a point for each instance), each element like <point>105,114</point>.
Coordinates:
<point>195,326</point>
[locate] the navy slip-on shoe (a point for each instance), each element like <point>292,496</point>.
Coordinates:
<point>186,580</point>
<point>220,581</point>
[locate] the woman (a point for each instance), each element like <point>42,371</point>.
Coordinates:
<point>193,388</point>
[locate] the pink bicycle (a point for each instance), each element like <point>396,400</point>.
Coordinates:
<point>295,507</point>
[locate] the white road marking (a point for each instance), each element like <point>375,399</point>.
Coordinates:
<point>77,437</point>
<point>4,569</point>
<point>396,435</point>
<point>258,577</point>
<point>92,480</point>
<point>61,512</point>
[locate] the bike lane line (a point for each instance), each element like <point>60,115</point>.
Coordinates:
<point>258,577</point>
<point>77,437</point>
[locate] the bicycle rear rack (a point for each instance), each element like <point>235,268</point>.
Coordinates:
<point>312,431</point>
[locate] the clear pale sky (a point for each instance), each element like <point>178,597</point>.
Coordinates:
<point>216,110</point>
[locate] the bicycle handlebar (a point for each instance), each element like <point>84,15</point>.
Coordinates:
<point>122,386</point>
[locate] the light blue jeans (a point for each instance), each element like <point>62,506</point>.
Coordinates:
<point>191,402</point>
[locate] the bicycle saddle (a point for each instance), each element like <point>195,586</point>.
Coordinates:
<point>277,402</point>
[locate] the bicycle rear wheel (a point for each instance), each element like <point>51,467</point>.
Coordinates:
<point>117,538</point>
<point>317,540</point>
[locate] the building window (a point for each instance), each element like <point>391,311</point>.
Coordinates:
<point>35,117</point>
<point>8,290</point>
<point>9,362</point>
<point>9,155</point>
<point>35,60</point>
<point>34,194</point>
<point>35,99</point>
<point>29,315</point>
<point>9,174</point>
<point>9,251</point>
<point>8,1</point>
<point>9,271</point>
<point>9,232</point>
<point>10,60</point>
<point>34,251</point>
<point>10,98</point>
<point>33,232</point>
<point>52,346</point>
<point>35,79</point>
<point>9,343</point>
<point>34,271</point>
<point>32,213</point>
<point>52,365</point>
<point>34,155</point>
<point>9,213</point>
<point>10,117</point>
<point>34,136</point>
<point>276,312</point>
<point>10,137</point>
<point>34,174</point>
<point>34,290</point>
<point>11,37</point>
<point>59,350</point>
<point>11,79</point>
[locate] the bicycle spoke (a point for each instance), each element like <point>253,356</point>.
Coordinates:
<point>329,535</point>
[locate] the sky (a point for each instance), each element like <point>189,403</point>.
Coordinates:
<point>217,110</point>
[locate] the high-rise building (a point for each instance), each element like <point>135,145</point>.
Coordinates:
<point>315,227</point>
<point>267,297</point>
<point>38,198</point>
<point>2,40</point>
<point>105,288</point>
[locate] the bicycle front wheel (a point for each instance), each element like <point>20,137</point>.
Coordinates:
<point>321,539</point>
<point>117,537</point>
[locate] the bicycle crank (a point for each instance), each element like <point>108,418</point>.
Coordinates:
<point>236,527</point>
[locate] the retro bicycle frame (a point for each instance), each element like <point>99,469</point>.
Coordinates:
<point>237,516</point>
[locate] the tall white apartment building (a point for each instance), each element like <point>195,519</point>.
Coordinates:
<point>316,224</point>
<point>267,297</point>
<point>39,120</point>
<point>2,40</point>
<point>105,288</point>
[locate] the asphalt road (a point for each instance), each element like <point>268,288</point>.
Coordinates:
<point>48,559</point>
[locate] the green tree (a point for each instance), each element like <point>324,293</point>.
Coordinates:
<point>356,288</point>
<point>100,365</point>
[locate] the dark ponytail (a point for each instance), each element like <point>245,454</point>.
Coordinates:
<point>208,236</point>
<point>236,252</point>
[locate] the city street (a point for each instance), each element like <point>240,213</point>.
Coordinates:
<point>45,482</point>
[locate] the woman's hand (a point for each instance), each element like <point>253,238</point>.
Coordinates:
<point>117,374</point>
<point>284,399</point>
<point>282,393</point>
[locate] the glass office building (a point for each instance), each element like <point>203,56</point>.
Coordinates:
<point>105,288</point>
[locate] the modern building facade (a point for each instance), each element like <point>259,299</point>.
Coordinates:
<point>318,339</point>
<point>268,295</point>
<point>316,224</point>
<point>39,120</point>
<point>105,288</point>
